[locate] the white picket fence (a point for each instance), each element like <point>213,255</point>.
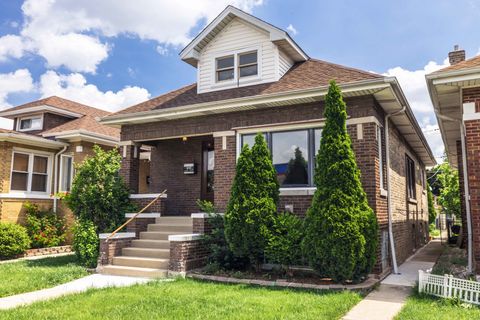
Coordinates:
<point>449,287</point>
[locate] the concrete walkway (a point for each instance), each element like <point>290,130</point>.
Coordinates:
<point>385,302</point>
<point>76,286</point>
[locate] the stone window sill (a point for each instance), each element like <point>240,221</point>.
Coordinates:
<point>414,201</point>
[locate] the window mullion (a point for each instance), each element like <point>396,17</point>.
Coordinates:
<point>30,172</point>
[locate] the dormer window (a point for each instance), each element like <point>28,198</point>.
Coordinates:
<point>239,65</point>
<point>225,68</point>
<point>30,123</point>
<point>247,64</point>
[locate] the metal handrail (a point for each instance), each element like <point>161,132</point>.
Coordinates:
<point>135,215</point>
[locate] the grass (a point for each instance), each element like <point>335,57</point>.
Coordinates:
<point>190,299</point>
<point>431,308</point>
<point>30,275</point>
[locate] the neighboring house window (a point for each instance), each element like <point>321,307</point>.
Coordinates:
<point>380,157</point>
<point>410,172</point>
<point>225,68</point>
<point>238,65</point>
<point>293,153</point>
<point>247,64</point>
<point>30,123</point>
<point>66,173</point>
<point>29,172</point>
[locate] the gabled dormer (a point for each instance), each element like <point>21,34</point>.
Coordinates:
<point>237,49</point>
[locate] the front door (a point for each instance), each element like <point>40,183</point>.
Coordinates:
<point>208,165</point>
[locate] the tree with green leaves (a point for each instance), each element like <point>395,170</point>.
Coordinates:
<point>341,229</point>
<point>99,194</point>
<point>252,204</point>
<point>449,197</point>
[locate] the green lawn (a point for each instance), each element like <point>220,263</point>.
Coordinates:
<point>30,275</point>
<point>432,308</point>
<point>189,299</point>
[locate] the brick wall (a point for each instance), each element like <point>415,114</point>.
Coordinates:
<point>111,249</point>
<point>51,120</point>
<point>357,107</point>
<point>473,163</point>
<point>157,207</point>
<point>166,172</point>
<point>187,255</point>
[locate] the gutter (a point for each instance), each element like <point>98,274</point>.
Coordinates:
<point>55,178</point>
<point>389,192</point>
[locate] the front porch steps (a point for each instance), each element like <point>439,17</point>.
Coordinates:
<point>149,256</point>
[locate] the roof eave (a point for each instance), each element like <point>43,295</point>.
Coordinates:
<point>31,140</point>
<point>83,135</point>
<point>11,114</point>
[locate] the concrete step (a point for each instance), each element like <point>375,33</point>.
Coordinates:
<point>134,271</point>
<point>146,252</point>
<point>156,244</point>
<point>174,220</point>
<point>157,235</point>
<point>154,263</point>
<point>170,227</point>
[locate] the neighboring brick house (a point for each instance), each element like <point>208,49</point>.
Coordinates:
<point>252,77</point>
<point>455,93</point>
<point>37,157</point>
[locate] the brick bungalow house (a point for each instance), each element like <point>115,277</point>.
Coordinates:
<point>37,156</point>
<point>455,93</point>
<point>252,77</point>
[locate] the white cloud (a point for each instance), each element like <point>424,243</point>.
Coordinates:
<point>292,29</point>
<point>415,88</point>
<point>74,86</point>
<point>162,50</point>
<point>11,46</point>
<point>70,32</point>
<point>14,82</point>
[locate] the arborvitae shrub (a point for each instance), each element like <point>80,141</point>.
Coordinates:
<point>251,207</point>
<point>341,229</point>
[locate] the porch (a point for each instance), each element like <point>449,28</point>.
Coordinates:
<point>185,166</point>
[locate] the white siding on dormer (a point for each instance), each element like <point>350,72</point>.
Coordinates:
<point>284,63</point>
<point>237,36</point>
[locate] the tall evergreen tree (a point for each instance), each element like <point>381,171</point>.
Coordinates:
<point>249,212</point>
<point>341,229</point>
<point>264,172</point>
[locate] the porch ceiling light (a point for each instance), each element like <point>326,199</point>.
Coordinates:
<point>184,139</point>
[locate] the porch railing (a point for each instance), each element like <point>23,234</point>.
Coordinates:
<point>135,215</point>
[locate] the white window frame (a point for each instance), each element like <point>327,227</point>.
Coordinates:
<point>20,119</point>
<point>61,174</point>
<point>236,81</point>
<point>31,154</point>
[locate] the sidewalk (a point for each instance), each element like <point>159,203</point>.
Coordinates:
<point>76,286</point>
<point>385,302</point>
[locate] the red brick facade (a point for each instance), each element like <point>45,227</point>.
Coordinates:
<point>167,158</point>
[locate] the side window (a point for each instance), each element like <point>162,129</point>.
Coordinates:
<point>410,177</point>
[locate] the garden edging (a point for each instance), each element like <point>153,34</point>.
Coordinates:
<point>364,287</point>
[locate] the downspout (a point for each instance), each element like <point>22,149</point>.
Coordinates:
<point>389,194</point>
<point>465,186</point>
<point>55,180</point>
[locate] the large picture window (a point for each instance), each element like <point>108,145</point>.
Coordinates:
<point>29,172</point>
<point>293,154</point>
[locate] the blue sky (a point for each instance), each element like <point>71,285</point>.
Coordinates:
<point>112,54</point>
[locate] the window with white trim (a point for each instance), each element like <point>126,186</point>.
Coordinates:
<point>239,65</point>
<point>293,154</point>
<point>30,172</point>
<point>30,123</point>
<point>66,173</point>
